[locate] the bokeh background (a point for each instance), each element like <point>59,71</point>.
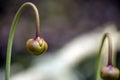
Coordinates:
<point>63,22</point>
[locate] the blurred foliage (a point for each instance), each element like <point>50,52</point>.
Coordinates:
<point>86,68</point>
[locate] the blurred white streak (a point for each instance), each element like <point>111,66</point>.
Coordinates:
<point>59,65</point>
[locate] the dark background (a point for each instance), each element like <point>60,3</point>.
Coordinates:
<point>61,20</point>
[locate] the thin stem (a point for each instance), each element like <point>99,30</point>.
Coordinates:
<point>106,35</point>
<point>110,50</point>
<point>12,30</point>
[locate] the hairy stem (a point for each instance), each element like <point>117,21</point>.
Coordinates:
<point>106,35</point>
<point>12,30</point>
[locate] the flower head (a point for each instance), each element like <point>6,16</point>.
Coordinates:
<point>36,46</point>
<point>110,73</point>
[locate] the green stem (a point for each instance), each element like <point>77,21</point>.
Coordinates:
<point>106,35</point>
<point>12,30</point>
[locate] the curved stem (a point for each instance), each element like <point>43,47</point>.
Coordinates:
<point>12,30</point>
<point>106,35</point>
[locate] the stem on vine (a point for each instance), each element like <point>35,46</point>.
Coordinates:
<point>106,35</point>
<point>12,30</point>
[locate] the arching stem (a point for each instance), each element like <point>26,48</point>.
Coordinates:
<point>106,35</point>
<point>12,30</point>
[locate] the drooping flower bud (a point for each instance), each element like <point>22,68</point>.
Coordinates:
<point>110,73</point>
<point>36,46</point>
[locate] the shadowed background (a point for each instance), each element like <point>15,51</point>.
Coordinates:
<point>61,21</point>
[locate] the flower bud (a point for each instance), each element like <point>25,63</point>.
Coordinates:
<point>109,73</point>
<point>36,46</point>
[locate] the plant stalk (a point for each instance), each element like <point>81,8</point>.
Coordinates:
<point>106,35</point>
<point>12,31</point>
